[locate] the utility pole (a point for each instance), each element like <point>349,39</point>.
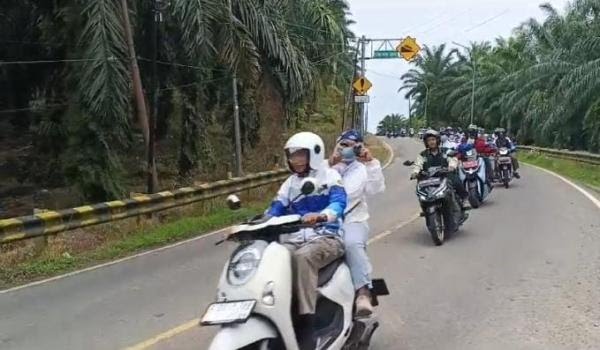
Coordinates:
<point>140,101</point>
<point>236,127</point>
<point>366,125</point>
<point>409,114</point>
<point>392,48</point>
<point>426,104</point>
<point>236,116</point>
<point>363,64</point>
<point>152,182</point>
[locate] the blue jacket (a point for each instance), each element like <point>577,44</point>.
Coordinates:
<point>330,200</point>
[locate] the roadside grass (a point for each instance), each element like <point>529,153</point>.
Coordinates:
<point>51,264</point>
<point>377,148</point>
<point>587,174</point>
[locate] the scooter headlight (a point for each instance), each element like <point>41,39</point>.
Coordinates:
<point>243,265</point>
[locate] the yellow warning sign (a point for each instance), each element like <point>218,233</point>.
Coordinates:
<point>362,85</point>
<point>408,48</point>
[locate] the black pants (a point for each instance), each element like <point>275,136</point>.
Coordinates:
<point>458,185</point>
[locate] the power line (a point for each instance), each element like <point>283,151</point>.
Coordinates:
<point>193,84</point>
<point>488,20</point>
<point>6,63</point>
<point>46,107</point>
<point>40,43</point>
<point>383,74</point>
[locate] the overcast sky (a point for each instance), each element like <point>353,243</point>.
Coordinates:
<point>432,22</point>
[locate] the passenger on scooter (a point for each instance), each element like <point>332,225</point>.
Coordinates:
<point>503,141</point>
<point>361,175</point>
<point>433,155</point>
<point>483,149</point>
<point>312,249</point>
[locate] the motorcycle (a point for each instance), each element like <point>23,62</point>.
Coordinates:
<point>472,173</point>
<point>435,196</point>
<point>504,168</point>
<point>254,296</point>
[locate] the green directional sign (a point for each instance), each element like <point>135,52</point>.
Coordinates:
<point>385,54</point>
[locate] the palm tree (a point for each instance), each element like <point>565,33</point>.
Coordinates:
<point>286,54</point>
<point>425,83</point>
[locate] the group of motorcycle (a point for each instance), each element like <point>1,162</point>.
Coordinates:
<point>254,299</point>
<point>440,205</point>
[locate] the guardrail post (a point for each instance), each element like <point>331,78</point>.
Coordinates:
<point>39,243</point>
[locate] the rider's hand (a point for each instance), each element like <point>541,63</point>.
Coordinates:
<point>365,155</point>
<point>314,218</point>
<point>335,158</point>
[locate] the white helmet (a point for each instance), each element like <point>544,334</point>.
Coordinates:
<point>311,142</point>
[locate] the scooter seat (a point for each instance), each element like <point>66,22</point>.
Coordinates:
<point>328,271</point>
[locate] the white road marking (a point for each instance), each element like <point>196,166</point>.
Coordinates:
<point>588,195</point>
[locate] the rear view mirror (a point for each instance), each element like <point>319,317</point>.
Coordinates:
<point>234,202</point>
<point>408,163</point>
<point>309,185</point>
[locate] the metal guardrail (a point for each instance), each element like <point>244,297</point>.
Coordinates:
<point>583,157</point>
<point>52,222</point>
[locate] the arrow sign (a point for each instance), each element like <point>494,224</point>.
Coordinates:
<point>362,85</point>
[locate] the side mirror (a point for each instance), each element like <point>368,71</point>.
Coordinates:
<point>408,163</point>
<point>309,185</point>
<point>234,202</point>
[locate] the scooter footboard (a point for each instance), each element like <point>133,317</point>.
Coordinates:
<point>236,336</point>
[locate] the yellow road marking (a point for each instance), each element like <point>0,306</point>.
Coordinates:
<point>166,335</point>
<point>194,323</point>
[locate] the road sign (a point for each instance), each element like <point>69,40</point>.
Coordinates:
<point>408,48</point>
<point>385,54</point>
<point>361,99</point>
<point>362,85</point>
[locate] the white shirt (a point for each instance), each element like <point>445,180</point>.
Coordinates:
<point>359,181</point>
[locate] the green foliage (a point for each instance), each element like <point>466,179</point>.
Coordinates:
<point>588,174</point>
<point>392,124</point>
<point>541,83</point>
<point>79,107</point>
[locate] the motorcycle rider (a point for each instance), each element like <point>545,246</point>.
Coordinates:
<point>476,140</point>
<point>503,141</point>
<point>433,155</point>
<point>312,249</point>
<point>362,175</point>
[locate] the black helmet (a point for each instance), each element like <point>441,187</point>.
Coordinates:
<point>432,133</point>
<point>473,131</point>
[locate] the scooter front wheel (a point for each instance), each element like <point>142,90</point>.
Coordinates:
<point>436,227</point>
<point>505,178</point>
<point>265,344</point>
<point>474,197</point>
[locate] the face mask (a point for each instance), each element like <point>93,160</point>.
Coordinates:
<point>348,154</point>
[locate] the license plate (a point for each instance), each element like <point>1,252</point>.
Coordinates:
<point>504,160</point>
<point>470,164</point>
<point>228,312</point>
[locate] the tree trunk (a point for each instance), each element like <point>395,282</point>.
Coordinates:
<point>142,112</point>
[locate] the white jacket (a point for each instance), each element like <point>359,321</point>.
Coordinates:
<point>359,181</point>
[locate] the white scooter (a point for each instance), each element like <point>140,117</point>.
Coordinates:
<point>254,304</point>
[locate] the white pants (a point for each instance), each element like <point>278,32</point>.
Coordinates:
<point>356,235</point>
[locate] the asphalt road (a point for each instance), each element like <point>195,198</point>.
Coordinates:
<point>523,273</point>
